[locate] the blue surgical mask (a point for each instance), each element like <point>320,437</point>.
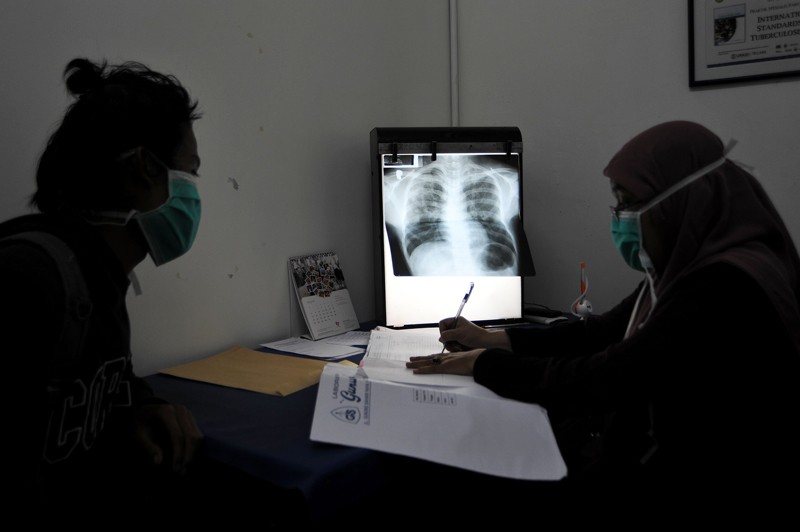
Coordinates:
<point>171,228</point>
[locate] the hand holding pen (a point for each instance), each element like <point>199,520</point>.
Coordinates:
<point>460,308</point>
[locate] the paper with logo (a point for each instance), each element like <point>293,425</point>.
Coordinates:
<point>319,284</point>
<point>489,435</point>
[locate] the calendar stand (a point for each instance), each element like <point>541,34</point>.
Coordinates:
<point>319,285</point>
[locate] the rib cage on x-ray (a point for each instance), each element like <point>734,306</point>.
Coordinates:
<point>454,216</point>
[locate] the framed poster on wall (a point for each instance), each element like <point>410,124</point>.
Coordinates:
<point>743,40</point>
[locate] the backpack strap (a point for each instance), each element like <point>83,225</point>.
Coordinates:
<point>77,302</point>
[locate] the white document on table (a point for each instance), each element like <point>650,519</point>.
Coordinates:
<point>489,435</point>
<point>388,351</point>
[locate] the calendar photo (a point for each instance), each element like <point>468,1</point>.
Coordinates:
<point>322,293</point>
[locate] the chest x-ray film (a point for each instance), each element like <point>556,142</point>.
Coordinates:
<point>447,204</point>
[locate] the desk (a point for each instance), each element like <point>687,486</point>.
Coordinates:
<point>268,437</point>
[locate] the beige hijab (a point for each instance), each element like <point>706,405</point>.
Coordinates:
<point>724,216</point>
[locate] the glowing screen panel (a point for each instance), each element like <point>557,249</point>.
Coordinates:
<point>448,219</point>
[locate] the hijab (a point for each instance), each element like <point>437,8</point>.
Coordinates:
<point>722,217</point>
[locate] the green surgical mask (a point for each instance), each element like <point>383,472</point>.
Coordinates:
<point>171,228</point>
<point>626,229</point>
<point>627,240</point>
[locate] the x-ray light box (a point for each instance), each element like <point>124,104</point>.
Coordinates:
<point>447,211</point>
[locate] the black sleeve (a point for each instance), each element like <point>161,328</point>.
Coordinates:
<point>686,341</point>
<point>576,337</point>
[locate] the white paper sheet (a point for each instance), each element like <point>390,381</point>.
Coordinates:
<point>351,338</point>
<point>318,349</point>
<point>485,434</point>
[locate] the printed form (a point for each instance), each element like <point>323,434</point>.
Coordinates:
<point>446,425</point>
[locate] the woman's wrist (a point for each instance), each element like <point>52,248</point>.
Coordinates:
<point>498,339</point>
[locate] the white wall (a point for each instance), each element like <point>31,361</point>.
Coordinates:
<point>290,90</point>
<point>580,78</point>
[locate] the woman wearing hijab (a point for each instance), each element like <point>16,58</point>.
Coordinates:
<point>693,380</point>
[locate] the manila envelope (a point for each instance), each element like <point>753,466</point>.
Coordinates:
<point>248,369</point>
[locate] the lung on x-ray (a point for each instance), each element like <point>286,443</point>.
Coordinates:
<point>447,204</point>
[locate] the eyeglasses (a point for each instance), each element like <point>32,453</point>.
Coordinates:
<point>624,207</point>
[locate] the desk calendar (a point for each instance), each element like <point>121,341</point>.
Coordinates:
<point>322,293</point>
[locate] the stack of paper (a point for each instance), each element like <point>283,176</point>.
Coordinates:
<point>389,350</point>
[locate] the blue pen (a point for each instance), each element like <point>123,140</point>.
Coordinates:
<point>461,307</point>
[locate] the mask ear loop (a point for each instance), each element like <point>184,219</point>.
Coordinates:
<point>109,217</point>
<point>691,178</point>
<point>137,288</point>
<point>633,313</point>
<point>93,217</point>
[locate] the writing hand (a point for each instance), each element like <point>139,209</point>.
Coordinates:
<point>452,333</point>
<point>466,336</point>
